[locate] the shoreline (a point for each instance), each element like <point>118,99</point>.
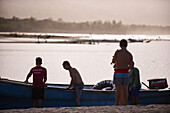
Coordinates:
<point>19,37</point>
<point>153,108</point>
<point>69,40</point>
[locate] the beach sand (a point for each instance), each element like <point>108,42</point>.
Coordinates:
<point>96,109</point>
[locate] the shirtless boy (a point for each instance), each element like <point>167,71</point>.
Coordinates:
<point>76,81</point>
<point>123,60</point>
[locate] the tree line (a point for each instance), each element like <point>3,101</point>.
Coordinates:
<point>49,25</point>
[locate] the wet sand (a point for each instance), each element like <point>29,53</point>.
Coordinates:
<point>96,109</point>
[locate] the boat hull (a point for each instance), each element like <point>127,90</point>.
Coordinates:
<point>14,94</point>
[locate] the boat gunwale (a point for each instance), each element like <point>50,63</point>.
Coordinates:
<point>54,88</point>
<point>84,90</point>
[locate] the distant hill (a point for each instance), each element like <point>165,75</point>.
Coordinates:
<point>96,27</point>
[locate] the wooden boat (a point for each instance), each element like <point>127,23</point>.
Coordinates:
<point>16,94</point>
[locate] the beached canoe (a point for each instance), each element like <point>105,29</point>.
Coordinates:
<point>16,94</point>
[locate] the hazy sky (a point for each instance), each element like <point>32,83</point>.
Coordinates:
<point>150,12</point>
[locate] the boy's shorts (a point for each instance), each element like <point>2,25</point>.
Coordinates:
<point>121,77</point>
<point>38,93</point>
<point>135,92</point>
<point>121,80</point>
<point>79,89</point>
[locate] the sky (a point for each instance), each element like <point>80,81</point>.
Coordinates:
<point>148,12</point>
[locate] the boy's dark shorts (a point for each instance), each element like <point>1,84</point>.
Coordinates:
<point>135,92</point>
<point>79,89</point>
<point>38,93</point>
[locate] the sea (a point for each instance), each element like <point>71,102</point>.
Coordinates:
<point>93,61</point>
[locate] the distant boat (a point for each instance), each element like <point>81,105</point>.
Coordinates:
<point>135,40</point>
<point>147,41</point>
<point>139,40</point>
<point>16,94</point>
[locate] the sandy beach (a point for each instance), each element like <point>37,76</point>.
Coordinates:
<point>97,109</point>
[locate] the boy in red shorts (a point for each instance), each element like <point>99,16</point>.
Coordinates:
<point>123,61</point>
<point>39,79</point>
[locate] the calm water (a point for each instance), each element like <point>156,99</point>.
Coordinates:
<point>92,61</point>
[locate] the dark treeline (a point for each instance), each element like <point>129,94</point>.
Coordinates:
<point>49,25</point>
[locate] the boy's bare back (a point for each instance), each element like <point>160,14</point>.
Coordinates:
<point>75,76</point>
<point>123,59</point>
